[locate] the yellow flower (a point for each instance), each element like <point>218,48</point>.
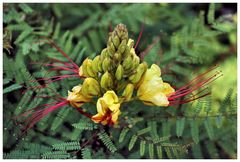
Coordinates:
<point>76,98</point>
<point>151,88</point>
<point>107,108</point>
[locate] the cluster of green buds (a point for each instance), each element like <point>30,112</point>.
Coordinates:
<point>117,68</point>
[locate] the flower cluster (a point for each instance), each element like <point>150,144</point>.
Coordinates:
<point>116,76</point>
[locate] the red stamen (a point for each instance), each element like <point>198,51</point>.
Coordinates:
<point>36,114</point>
<point>177,102</point>
<point>62,62</point>
<point>195,84</point>
<point>84,113</point>
<point>139,36</point>
<point>58,67</point>
<point>60,50</point>
<point>185,92</point>
<point>199,77</point>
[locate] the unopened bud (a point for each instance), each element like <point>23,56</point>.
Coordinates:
<point>80,71</point>
<point>126,52</point>
<point>136,61</point>
<point>117,57</point>
<point>105,53</point>
<point>90,88</point>
<point>140,70</point>
<point>116,41</point>
<point>130,43</point>
<point>95,62</point>
<point>119,72</point>
<point>87,68</point>
<point>128,91</point>
<point>127,63</point>
<point>111,48</point>
<point>122,46</point>
<point>106,64</point>
<point>106,81</point>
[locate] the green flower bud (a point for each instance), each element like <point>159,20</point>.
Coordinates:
<point>122,46</point>
<point>130,43</point>
<point>126,52</point>
<point>106,64</point>
<point>116,41</point>
<point>87,68</point>
<point>105,53</point>
<point>95,62</point>
<point>117,57</point>
<point>139,72</point>
<point>106,81</point>
<point>90,88</point>
<point>127,63</point>
<point>111,49</point>
<point>136,61</point>
<point>119,72</point>
<point>100,65</point>
<point>128,91</point>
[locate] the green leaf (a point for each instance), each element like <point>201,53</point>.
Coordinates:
<point>66,146</point>
<point>132,142</point>
<point>151,150</point>
<point>143,131</point>
<point>107,141</point>
<point>180,126</point>
<point>86,153</point>
<point>11,88</point>
<point>168,152</point>
<point>142,147</point>
<point>219,121</point>
<point>194,130</point>
<point>26,8</point>
<point>6,81</point>
<point>159,151</point>
<point>56,155</point>
<point>211,13</point>
<point>209,128</point>
<point>84,125</point>
<point>123,134</point>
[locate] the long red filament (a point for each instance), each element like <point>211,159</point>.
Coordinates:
<point>139,36</point>
<point>195,84</point>
<point>198,77</point>
<point>193,88</point>
<point>37,114</point>
<point>60,50</point>
<point>67,68</point>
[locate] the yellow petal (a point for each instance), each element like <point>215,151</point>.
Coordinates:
<point>77,89</point>
<point>158,99</point>
<point>101,106</point>
<point>97,118</point>
<point>150,85</point>
<point>115,116</point>
<point>167,89</point>
<point>114,107</point>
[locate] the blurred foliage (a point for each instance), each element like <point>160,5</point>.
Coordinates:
<point>183,39</point>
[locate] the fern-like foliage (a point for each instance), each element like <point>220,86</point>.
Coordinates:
<point>181,38</point>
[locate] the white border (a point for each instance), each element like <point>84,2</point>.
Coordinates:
<point>110,1</point>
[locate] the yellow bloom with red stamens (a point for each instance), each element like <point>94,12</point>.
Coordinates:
<point>108,108</point>
<point>76,98</point>
<point>151,88</point>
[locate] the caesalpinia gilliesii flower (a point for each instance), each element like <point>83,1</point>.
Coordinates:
<point>152,90</point>
<point>112,77</point>
<point>108,108</point>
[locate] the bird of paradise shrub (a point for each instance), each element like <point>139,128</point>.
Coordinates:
<point>112,77</point>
